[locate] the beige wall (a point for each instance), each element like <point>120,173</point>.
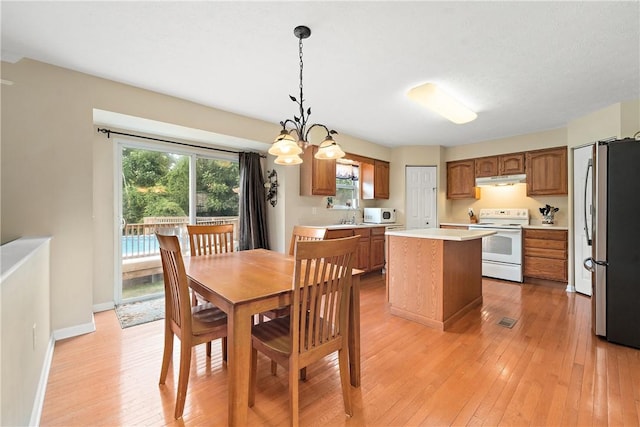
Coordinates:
<point>58,174</point>
<point>26,341</point>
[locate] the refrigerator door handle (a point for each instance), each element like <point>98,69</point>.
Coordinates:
<point>590,264</point>
<point>586,182</point>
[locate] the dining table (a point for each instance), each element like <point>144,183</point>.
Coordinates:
<point>246,283</point>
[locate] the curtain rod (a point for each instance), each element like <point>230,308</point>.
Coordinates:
<point>108,132</point>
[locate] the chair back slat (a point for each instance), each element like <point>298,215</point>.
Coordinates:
<point>302,233</point>
<point>177,301</point>
<point>210,239</point>
<point>322,282</point>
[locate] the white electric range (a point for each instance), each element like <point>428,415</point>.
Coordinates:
<point>502,252</point>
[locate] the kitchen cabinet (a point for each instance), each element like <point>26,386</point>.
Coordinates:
<point>364,249</point>
<point>511,164</point>
<point>374,179</point>
<point>317,177</point>
<point>461,180</point>
<point>506,164</point>
<point>545,254</point>
<point>370,252</point>
<point>486,166</point>
<point>547,172</point>
<point>377,248</point>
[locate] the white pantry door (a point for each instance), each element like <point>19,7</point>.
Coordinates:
<point>582,209</point>
<point>421,191</point>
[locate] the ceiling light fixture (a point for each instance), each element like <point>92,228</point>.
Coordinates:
<point>433,97</point>
<point>285,146</point>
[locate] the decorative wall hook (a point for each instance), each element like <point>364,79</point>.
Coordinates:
<point>272,187</point>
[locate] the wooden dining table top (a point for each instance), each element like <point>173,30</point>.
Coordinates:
<point>244,275</point>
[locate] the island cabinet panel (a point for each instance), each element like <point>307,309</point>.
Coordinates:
<point>431,281</point>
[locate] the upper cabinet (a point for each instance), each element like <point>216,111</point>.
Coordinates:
<point>317,177</point>
<point>381,180</point>
<point>511,164</point>
<point>374,177</point>
<point>507,164</point>
<point>461,180</point>
<point>547,172</point>
<point>486,166</point>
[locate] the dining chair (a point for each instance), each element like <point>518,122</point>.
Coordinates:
<point>205,240</point>
<point>304,233</point>
<point>193,325</point>
<point>318,322</point>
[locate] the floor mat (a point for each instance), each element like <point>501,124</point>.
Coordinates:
<point>137,313</point>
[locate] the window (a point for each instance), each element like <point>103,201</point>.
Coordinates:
<point>347,186</point>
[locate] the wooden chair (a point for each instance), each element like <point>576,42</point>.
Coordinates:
<point>210,239</point>
<point>300,233</point>
<point>318,322</point>
<point>193,325</point>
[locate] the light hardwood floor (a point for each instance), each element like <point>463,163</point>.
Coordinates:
<point>548,370</point>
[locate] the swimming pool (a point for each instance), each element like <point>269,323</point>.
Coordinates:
<point>135,246</point>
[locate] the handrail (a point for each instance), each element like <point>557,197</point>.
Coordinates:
<point>139,240</point>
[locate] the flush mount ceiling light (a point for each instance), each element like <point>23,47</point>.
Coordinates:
<point>293,138</point>
<point>431,96</point>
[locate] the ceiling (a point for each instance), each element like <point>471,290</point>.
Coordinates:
<point>522,66</point>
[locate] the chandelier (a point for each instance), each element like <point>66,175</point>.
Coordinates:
<point>293,138</point>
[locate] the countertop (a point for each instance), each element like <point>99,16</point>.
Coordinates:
<point>441,234</point>
<point>534,225</point>
<point>358,225</point>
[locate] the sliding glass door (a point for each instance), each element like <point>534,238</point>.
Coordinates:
<point>162,190</point>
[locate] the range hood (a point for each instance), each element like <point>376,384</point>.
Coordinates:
<point>500,180</point>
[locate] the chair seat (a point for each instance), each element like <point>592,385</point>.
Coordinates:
<point>206,317</point>
<point>274,334</point>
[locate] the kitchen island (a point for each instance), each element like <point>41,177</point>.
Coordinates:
<point>434,275</point>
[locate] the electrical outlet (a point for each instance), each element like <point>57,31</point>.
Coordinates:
<point>314,211</point>
<point>34,336</point>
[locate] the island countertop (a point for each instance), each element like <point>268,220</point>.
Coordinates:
<point>441,234</point>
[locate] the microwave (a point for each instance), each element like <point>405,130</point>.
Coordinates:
<point>379,215</point>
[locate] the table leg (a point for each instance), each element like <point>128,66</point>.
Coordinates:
<point>239,364</point>
<point>354,332</point>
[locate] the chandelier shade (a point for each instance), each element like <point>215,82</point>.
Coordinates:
<point>289,160</point>
<point>285,146</point>
<point>329,150</point>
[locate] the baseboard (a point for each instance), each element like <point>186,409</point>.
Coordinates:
<point>97,308</point>
<point>38,401</point>
<point>74,331</point>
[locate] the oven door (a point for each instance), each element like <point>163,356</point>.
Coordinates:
<point>504,246</point>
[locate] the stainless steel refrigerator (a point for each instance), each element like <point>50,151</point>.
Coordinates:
<point>615,234</point>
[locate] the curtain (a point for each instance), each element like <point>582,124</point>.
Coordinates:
<point>253,204</point>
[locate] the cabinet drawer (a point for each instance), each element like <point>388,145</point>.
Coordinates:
<point>337,234</point>
<point>545,268</point>
<point>545,253</point>
<point>363,232</point>
<point>545,244</point>
<point>545,234</point>
<point>377,231</point>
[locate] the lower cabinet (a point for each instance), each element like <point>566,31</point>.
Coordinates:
<point>546,254</point>
<point>370,252</point>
